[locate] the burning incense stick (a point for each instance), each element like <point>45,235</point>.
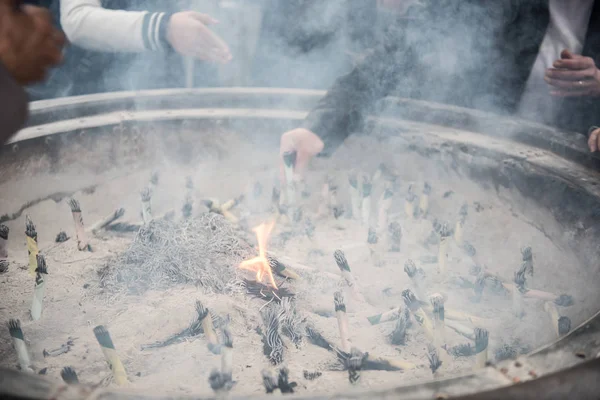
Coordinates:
<point>417,277</point>
<point>462,350</point>
<point>481,347</point>
<point>281,269</point>
<point>434,360</point>
<point>39,289</point>
<point>424,200</point>
<point>409,203</point>
<point>227,354</point>
<point>355,195</point>
<point>354,363</point>
<point>562,325</point>
<point>415,308</point>
<point>3,239</point>
<point>527,265</point>
<point>208,328</point>
<point>16,333</point>
<point>385,203</point>
<point>367,188</point>
<point>342,319</point>
<point>272,343</point>
<point>109,219</point>
<point>517,295</point>
<point>395,235</point>
<point>458,230</point>
<point>342,264</point>
<point>289,163</point>
<point>443,250</point>
<point>439,321</point>
<point>32,245</point>
<point>373,241</point>
<point>146,196</point>
<point>69,375</point>
<point>82,241</point>
<point>398,335</point>
<point>110,354</point>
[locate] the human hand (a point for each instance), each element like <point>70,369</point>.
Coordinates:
<point>29,43</point>
<point>573,75</point>
<point>305,143</point>
<point>594,140</point>
<point>189,35</point>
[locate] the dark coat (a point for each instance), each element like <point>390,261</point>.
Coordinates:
<point>470,53</point>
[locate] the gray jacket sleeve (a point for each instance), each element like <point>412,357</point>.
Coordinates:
<point>13,105</point>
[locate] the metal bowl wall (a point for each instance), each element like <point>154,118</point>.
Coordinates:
<point>550,168</point>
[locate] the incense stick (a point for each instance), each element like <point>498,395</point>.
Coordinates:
<point>39,288</point>
<point>16,333</point>
<point>342,264</point>
<point>561,325</point>
<point>385,203</point>
<point>434,360</point>
<point>373,241</point>
<point>82,241</point>
<point>208,328</point>
<point>153,180</point>
<point>146,197</point>
<point>461,329</point>
<point>109,219</point>
<point>354,363</point>
<point>398,335</point>
<point>309,228</point>
<point>481,347</point>
<point>69,375</point>
<point>289,163</point>
<point>527,265</point>
<point>3,266</point>
<point>227,354</point>
<point>517,294</point>
<point>443,250</point>
<point>342,319</point>
<point>439,321</point>
<point>395,235</point>
<point>366,189</point>
<point>270,382</point>
<point>415,308</point>
<point>417,277</point>
<point>32,245</point>
<point>409,203</point>
<point>458,230</point>
<point>110,354</point>
<point>424,200</point>
<point>355,195</point>
<point>3,239</point>
<point>281,269</point>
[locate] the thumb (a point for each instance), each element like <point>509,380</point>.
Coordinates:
<point>566,54</point>
<point>204,18</point>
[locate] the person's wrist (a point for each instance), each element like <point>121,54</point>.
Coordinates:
<point>164,32</point>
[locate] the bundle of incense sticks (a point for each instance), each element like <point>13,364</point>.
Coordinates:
<point>281,269</point>
<point>342,264</point>
<point>374,250</point>
<point>82,241</point>
<point>527,265</point>
<point>398,335</point>
<point>424,200</point>
<point>354,363</point>
<point>32,245</point>
<point>289,163</point>
<point>146,196</point>
<point>110,355</point>
<point>16,333</point>
<point>481,347</point>
<point>366,189</point>
<point>517,294</point>
<point>39,289</point>
<point>458,230</point>
<point>270,382</point>
<point>69,375</point>
<point>3,239</point>
<point>109,219</point>
<point>417,276</point>
<point>439,321</point>
<point>395,235</point>
<point>342,319</point>
<point>355,194</point>
<point>272,343</point>
<point>409,203</point>
<point>561,325</point>
<point>385,203</point>
<point>434,360</point>
<point>415,308</point>
<point>445,234</point>
<point>209,330</point>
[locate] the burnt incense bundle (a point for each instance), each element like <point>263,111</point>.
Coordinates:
<point>82,241</point>
<point>146,197</point>
<point>385,203</point>
<point>409,203</point>
<point>417,276</point>
<point>292,323</point>
<point>462,350</point>
<point>355,195</point>
<point>434,360</point>
<point>342,264</point>
<point>281,269</point>
<point>110,354</point>
<point>270,382</point>
<point>458,230</point>
<point>481,346</point>
<point>561,325</point>
<point>398,335</point>
<point>445,234</point>
<point>61,237</point>
<point>366,189</point>
<point>354,363</point>
<point>265,292</point>
<point>283,381</point>
<point>69,375</point>
<point>271,337</point>
<point>3,239</point>
<point>18,339</point>
<point>517,294</point>
<point>415,308</point>
<point>373,242</point>
<point>39,288</point>
<point>311,376</point>
<point>395,235</point>
<point>439,321</point>
<point>109,219</point>
<point>527,264</point>
<point>342,319</point>
<point>424,200</point>
<point>32,245</point>
<point>207,326</point>
<point>3,266</point>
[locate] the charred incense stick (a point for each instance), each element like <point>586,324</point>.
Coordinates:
<point>354,363</point>
<point>309,228</point>
<point>16,333</point>
<point>385,203</point>
<point>82,241</point>
<point>434,360</point>
<point>517,294</point>
<point>415,308</point>
<point>272,343</point>
<point>527,265</point>
<point>439,321</point>
<point>395,235</point>
<point>69,375</point>
<point>3,239</point>
<point>373,241</point>
<point>443,250</point>
<point>342,319</point>
<point>3,266</point>
<point>146,196</point>
<point>398,335</point>
<point>461,329</point>
<point>270,382</point>
<point>342,264</point>
<point>481,347</point>
<point>458,230</point>
<point>281,269</point>
<point>409,203</point>
<point>208,328</point>
<point>417,277</point>
<point>39,289</point>
<point>561,325</point>
<point>366,189</point>
<point>311,376</point>
<point>227,355</point>
<point>355,195</point>
<point>32,245</point>
<point>109,219</point>
<point>424,200</point>
<point>110,354</point>
<point>289,163</point>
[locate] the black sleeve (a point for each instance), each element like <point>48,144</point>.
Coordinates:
<point>13,105</point>
<point>154,31</point>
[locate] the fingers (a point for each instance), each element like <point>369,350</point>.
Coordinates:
<point>570,75</point>
<point>594,140</point>
<point>577,63</point>
<point>579,85</point>
<point>566,54</point>
<point>211,47</point>
<point>572,93</point>
<point>305,143</point>
<point>204,18</point>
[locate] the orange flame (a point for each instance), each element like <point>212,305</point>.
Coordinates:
<point>260,264</point>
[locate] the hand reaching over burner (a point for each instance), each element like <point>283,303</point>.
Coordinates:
<point>305,143</point>
<point>594,139</point>
<point>573,75</point>
<point>189,35</point>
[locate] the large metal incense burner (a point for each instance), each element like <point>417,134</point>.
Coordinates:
<point>533,167</point>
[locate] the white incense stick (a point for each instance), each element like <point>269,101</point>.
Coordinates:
<point>439,321</point>
<point>366,189</point>
<point>373,242</point>
<point>443,250</point>
<point>16,333</point>
<point>146,196</point>
<point>32,245</point>
<point>417,276</point>
<point>561,325</point>
<point>424,200</point>
<point>227,354</point>
<point>355,196</point>
<point>481,347</point>
<point>109,219</point>
<point>82,241</point>
<point>434,360</point>
<point>415,308</point>
<point>342,319</point>
<point>517,294</point>
<point>395,236</point>
<point>208,327</point>
<point>385,203</point>
<point>409,203</point>
<point>110,354</point>
<point>458,230</point>
<point>344,267</point>
<point>289,163</point>
<point>39,289</point>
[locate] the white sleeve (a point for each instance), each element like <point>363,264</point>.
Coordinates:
<point>87,24</point>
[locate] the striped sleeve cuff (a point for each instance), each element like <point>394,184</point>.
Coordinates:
<point>154,31</point>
